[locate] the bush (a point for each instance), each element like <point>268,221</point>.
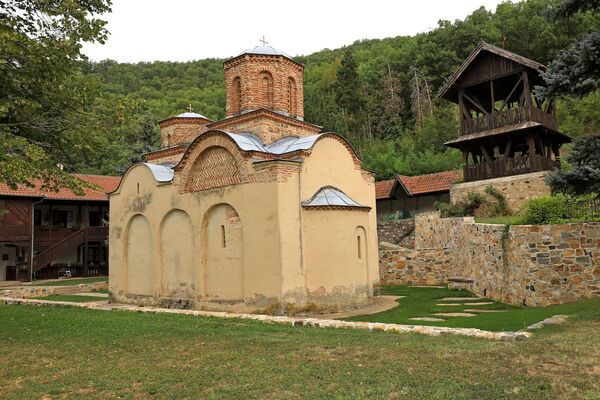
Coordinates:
<point>499,207</point>
<point>464,208</point>
<point>560,208</point>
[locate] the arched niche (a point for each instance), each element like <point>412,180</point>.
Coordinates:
<point>139,267</point>
<point>177,256</point>
<point>223,254</point>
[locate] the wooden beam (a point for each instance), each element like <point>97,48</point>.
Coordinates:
<point>510,94</point>
<point>527,91</point>
<point>476,103</point>
<point>492,96</point>
<point>485,153</point>
<point>507,148</point>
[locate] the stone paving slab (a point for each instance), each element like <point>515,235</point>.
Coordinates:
<point>450,304</point>
<point>429,319</point>
<point>296,322</point>
<point>479,303</point>
<point>480,310</point>
<point>454,314</point>
<point>459,298</point>
<point>91,294</point>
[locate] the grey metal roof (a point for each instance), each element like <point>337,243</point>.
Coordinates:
<point>250,142</point>
<point>331,196</point>
<point>190,115</point>
<point>265,50</point>
<point>161,173</point>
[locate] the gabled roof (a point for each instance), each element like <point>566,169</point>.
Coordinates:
<point>429,183</point>
<point>483,46</point>
<point>383,189</point>
<point>107,184</point>
<point>329,196</point>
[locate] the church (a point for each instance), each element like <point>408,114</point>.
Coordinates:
<point>257,212</point>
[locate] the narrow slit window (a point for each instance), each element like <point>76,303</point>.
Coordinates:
<point>223,238</point>
<point>138,188</point>
<point>359,247</point>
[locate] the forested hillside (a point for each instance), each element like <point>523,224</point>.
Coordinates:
<point>380,94</point>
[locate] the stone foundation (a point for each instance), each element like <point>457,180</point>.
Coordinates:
<point>516,189</point>
<point>529,265</point>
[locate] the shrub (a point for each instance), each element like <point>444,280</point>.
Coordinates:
<point>584,175</point>
<point>560,208</point>
<point>464,208</point>
<point>499,207</point>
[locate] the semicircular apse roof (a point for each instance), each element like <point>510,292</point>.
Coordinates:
<point>331,196</point>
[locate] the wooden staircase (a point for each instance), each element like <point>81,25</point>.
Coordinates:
<point>78,238</point>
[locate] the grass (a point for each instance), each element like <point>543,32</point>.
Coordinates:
<point>500,220</point>
<point>70,297</point>
<point>421,302</point>
<point>68,353</point>
<point>71,282</point>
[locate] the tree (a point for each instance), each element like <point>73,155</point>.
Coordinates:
<point>43,91</point>
<point>576,69</point>
<point>584,175</point>
<point>349,91</point>
<point>420,97</point>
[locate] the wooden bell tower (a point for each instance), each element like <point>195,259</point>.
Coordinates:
<point>504,129</point>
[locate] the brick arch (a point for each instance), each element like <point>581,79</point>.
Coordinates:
<point>213,160</point>
<point>266,89</point>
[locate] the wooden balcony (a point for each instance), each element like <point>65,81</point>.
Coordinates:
<point>509,166</point>
<point>512,116</point>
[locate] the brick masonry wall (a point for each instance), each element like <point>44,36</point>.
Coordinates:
<point>271,82</point>
<point>516,189</point>
<point>531,265</point>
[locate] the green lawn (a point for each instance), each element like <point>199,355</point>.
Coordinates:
<point>68,353</point>
<point>71,297</point>
<point>71,282</point>
<point>421,302</point>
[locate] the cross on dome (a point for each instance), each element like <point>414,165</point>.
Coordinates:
<point>189,107</point>
<point>263,41</point>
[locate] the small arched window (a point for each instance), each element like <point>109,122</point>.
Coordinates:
<point>267,89</point>
<point>291,100</point>
<point>236,98</point>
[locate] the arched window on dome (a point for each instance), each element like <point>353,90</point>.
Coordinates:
<point>266,89</point>
<point>291,97</point>
<point>236,98</point>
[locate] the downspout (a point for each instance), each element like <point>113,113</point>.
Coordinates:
<point>32,237</point>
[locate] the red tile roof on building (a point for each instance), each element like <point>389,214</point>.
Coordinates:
<point>383,189</point>
<point>430,183</point>
<point>106,183</point>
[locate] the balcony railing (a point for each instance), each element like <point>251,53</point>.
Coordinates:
<point>509,166</point>
<point>507,117</point>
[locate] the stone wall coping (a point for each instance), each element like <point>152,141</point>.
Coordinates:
<point>283,320</point>
<point>498,180</point>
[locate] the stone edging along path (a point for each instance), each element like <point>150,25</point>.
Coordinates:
<point>283,320</point>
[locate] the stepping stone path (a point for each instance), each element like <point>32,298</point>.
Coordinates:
<point>429,319</point>
<point>459,298</point>
<point>454,314</point>
<point>483,311</point>
<point>450,304</point>
<point>480,303</point>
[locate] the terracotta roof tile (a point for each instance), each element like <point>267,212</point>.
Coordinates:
<point>430,183</point>
<point>107,184</point>
<point>383,189</point>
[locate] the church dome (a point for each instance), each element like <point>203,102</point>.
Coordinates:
<point>190,115</point>
<point>266,51</point>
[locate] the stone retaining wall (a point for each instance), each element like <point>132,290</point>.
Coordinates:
<point>396,231</point>
<point>525,264</point>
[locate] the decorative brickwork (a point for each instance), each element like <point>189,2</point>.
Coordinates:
<point>175,130</point>
<point>531,265</point>
<point>517,189</point>
<point>214,167</point>
<point>170,155</point>
<point>267,125</point>
<point>274,82</point>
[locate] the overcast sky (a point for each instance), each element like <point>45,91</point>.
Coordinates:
<point>182,30</point>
